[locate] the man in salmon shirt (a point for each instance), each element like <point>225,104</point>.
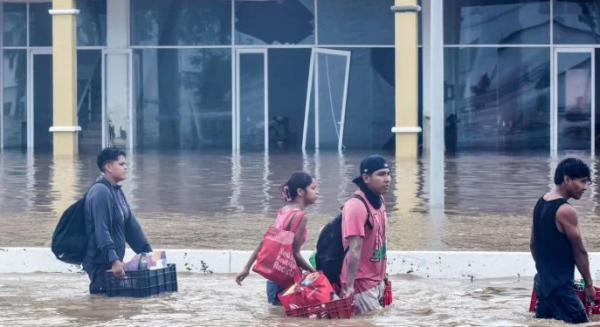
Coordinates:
<point>364,235</point>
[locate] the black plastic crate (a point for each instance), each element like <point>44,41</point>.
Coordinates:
<point>142,283</point>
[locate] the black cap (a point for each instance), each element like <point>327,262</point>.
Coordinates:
<point>369,165</point>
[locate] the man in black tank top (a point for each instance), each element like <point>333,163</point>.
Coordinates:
<point>557,247</point>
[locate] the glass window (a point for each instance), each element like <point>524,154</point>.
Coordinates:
<point>576,22</point>
<point>14,79</point>
<point>274,22</point>
<point>355,22</point>
<point>14,24</point>
<point>91,22</point>
<point>180,22</point>
<point>497,98</point>
<point>40,24</point>
<point>189,106</point>
<point>497,22</point>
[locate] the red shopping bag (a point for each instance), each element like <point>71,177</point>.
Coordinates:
<point>275,260</point>
<point>313,288</point>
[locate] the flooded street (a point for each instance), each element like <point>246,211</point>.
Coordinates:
<point>216,201</point>
<point>215,300</point>
<point>212,201</point>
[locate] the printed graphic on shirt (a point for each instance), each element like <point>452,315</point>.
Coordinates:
<point>379,252</point>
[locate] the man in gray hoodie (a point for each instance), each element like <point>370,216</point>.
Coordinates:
<point>110,224</point>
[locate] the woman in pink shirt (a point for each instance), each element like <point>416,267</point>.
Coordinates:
<point>299,192</point>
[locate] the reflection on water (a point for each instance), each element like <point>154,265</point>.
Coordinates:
<point>192,200</point>
<point>215,300</point>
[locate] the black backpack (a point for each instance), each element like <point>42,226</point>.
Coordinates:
<point>69,240</point>
<point>330,249</point>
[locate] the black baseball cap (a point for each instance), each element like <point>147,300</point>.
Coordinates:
<point>369,165</point>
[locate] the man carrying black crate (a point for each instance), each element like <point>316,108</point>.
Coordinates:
<point>110,224</point>
<point>557,247</point>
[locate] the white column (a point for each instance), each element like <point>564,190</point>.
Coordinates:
<point>117,92</point>
<point>433,96</point>
<point>425,61</point>
<point>1,80</point>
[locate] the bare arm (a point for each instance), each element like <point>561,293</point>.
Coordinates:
<point>354,251</point>
<point>246,271</point>
<point>253,256</point>
<point>566,218</point>
<point>300,261</point>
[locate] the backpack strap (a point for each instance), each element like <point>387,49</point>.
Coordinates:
<point>367,221</point>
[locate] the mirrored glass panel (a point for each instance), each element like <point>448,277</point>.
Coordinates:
<point>355,22</point>
<point>498,98</point>
<point>274,22</point>
<point>180,22</point>
<point>576,22</point>
<point>14,24</point>
<point>497,22</point>
<point>14,95</point>
<point>183,99</point>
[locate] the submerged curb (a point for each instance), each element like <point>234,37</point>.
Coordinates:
<point>427,264</point>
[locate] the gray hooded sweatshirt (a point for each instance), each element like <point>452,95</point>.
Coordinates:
<point>110,225</point>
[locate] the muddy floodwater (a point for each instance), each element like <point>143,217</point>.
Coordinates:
<point>215,300</point>
<point>219,201</point>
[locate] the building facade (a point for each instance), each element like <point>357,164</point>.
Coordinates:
<point>519,75</point>
<point>207,74</point>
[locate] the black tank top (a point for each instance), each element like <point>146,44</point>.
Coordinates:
<point>554,259</point>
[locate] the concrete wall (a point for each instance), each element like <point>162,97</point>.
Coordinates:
<point>452,265</point>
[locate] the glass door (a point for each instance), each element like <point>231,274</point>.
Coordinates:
<point>251,110</point>
<point>89,100</point>
<point>573,112</point>
<point>40,104</point>
<point>330,73</point>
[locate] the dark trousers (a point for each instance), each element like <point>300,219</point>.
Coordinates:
<point>562,304</point>
<point>96,275</point>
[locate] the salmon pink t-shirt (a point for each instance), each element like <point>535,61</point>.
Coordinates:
<point>373,258</point>
<point>284,219</point>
